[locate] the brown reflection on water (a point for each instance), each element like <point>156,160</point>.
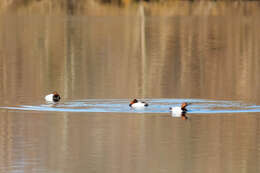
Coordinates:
<point>38,142</point>
<point>121,57</point>
<point>161,8</point>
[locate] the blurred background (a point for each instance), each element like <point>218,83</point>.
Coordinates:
<point>122,49</point>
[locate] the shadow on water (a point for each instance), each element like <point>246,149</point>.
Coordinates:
<point>198,106</point>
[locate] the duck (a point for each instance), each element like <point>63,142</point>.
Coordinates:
<point>180,111</point>
<point>138,104</point>
<point>54,97</point>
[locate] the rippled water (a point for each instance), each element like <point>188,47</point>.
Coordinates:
<point>197,106</point>
<point>204,53</point>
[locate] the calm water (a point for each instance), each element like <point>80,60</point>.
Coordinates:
<point>99,63</point>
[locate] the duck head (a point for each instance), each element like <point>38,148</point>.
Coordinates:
<point>183,105</point>
<point>132,102</point>
<point>56,97</point>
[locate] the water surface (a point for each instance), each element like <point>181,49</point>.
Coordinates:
<point>196,106</point>
<point>205,53</point>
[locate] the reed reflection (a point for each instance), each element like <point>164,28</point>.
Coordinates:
<point>157,57</point>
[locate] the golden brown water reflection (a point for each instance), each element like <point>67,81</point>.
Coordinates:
<point>144,53</point>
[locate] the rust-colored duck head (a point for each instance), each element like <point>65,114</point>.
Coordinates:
<point>132,102</point>
<point>183,105</point>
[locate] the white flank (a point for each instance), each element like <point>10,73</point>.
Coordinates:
<point>176,111</point>
<point>138,105</point>
<point>49,98</point>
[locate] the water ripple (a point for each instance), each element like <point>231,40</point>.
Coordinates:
<point>155,106</point>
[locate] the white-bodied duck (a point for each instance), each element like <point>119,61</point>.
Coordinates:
<point>54,97</point>
<point>138,104</point>
<point>180,111</point>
